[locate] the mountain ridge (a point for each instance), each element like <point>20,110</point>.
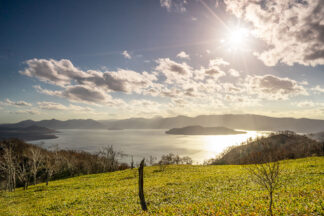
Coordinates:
<point>236,121</point>
<point>58,124</point>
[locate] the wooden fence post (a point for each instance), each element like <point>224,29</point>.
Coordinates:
<point>140,185</point>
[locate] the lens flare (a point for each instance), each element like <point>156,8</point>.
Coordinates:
<point>238,36</point>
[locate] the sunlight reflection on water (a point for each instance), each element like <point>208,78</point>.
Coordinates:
<point>143,143</point>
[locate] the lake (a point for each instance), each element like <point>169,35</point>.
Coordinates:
<point>143,143</point>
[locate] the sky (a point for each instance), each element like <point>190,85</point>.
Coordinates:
<point>106,59</point>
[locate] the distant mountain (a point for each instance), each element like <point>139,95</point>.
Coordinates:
<point>198,130</point>
<point>27,133</point>
<point>57,124</point>
<point>237,121</point>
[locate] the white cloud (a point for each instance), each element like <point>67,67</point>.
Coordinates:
<point>191,92</point>
<point>86,94</point>
<point>173,71</point>
<point>39,89</point>
<point>29,112</point>
<point>177,5</point>
<point>172,82</point>
<point>47,105</point>
<point>90,86</point>
<point>240,101</point>
<point>183,55</point>
<point>120,81</point>
<point>16,103</point>
<point>172,93</point>
<point>62,73</point>
<point>231,88</point>
<point>126,54</point>
<point>54,72</point>
<point>318,89</point>
<point>273,87</point>
<point>293,30</point>
<point>308,104</point>
<point>234,72</point>
<point>171,79</point>
<point>304,104</point>
<point>214,72</point>
<point>217,62</point>
<point>166,4</point>
<point>83,94</point>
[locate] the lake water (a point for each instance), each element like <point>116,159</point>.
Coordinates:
<point>143,143</point>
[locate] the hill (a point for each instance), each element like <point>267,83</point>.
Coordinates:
<point>57,124</point>
<point>179,190</point>
<point>237,121</point>
<point>279,146</point>
<point>27,133</point>
<point>199,130</point>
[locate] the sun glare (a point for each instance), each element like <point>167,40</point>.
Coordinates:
<point>237,39</point>
<point>238,36</point>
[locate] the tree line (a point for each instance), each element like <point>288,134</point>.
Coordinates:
<point>22,164</point>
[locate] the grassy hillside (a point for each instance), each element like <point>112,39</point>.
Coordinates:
<point>179,190</point>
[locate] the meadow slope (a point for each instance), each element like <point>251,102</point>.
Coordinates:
<point>179,190</point>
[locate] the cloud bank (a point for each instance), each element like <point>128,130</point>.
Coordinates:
<point>277,88</point>
<point>170,87</point>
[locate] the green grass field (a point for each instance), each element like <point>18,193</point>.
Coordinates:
<point>179,190</point>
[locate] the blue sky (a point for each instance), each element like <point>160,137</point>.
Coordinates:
<point>147,58</point>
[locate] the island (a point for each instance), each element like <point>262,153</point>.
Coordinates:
<point>199,130</point>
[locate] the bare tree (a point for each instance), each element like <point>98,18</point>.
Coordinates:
<point>267,176</point>
<point>36,162</point>
<point>49,166</point>
<point>8,165</point>
<point>108,156</point>
<point>174,159</point>
<point>186,160</point>
<point>177,159</point>
<point>23,174</point>
<point>152,160</point>
<point>265,171</point>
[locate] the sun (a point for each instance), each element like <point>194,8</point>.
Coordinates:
<point>238,36</point>
<point>237,39</point>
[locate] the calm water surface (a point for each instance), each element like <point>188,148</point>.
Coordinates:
<point>143,143</point>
